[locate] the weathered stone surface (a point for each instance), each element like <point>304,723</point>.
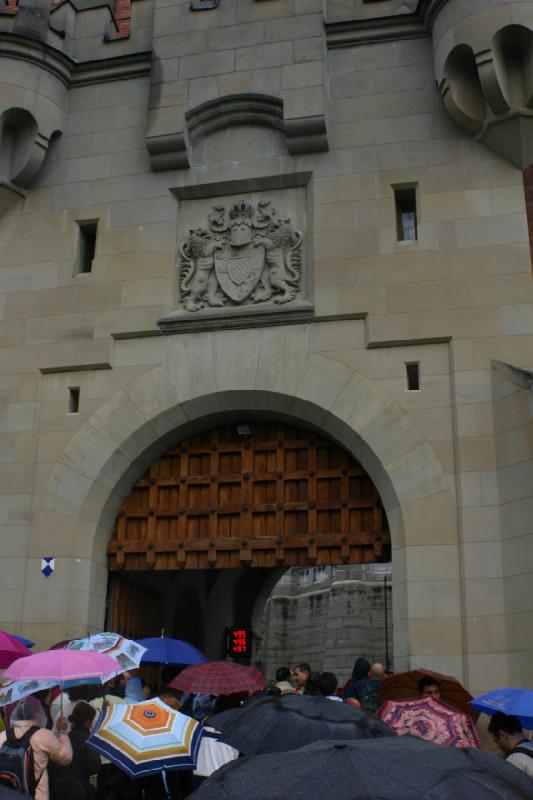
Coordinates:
<point>327,617</point>
<point>240,103</point>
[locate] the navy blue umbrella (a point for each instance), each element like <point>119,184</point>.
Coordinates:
<point>164,650</point>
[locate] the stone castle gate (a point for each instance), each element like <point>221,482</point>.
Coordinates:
<point>269,372</point>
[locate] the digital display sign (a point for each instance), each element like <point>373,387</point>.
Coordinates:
<point>239,642</point>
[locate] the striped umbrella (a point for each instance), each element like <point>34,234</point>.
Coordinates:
<point>145,738</point>
<point>219,677</point>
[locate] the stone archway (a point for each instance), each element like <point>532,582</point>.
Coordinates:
<point>272,371</point>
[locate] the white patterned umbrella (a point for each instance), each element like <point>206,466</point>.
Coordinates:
<point>13,690</point>
<point>127,652</point>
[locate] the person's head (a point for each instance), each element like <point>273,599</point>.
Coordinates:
<point>312,685</point>
<point>29,709</point>
<point>134,689</point>
<point>429,687</point>
<point>377,672</point>
<point>226,701</point>
<point>43,696</point>
<point>85,691</point>
<point>327,683</point>
<point>360,669</point>
<point>506,731</point>
<point>283,674</point>
<point>301,673</point>
<point>82,716</point>
<point>172,697</point>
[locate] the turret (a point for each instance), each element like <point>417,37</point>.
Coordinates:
<point>48,48</point>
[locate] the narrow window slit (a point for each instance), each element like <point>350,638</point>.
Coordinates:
<point>87,245</point>
<point>73,399</point>
<point>406,213</point>
<point>413,376</point>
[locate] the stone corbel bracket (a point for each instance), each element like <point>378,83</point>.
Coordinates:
<point>489,90</point>
<point>24,143</point>
<point>302,134</point>
<point>32,110</point>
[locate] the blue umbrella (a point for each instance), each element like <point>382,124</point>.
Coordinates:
<point>163,650</point>
<point>518,702</point>
<point>23,640</point>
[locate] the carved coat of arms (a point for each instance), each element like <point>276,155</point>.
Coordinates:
<point>246,255</point>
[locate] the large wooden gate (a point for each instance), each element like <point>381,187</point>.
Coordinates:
<point>261,495</point>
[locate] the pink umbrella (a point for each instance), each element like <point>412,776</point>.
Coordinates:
<point>63,665</point>
<point>430,719</point>
<point>11,649</point>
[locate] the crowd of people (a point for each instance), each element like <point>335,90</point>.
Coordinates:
<point>53,728</point>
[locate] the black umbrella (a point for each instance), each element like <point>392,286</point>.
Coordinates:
<point>9,794</point>
<point>398,768</point>
<point>289,721</point>
<point>223,718</point>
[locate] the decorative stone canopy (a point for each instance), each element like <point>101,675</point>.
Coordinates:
<point>484,70</point>
<point>483,60</point>
<point>490,92</point>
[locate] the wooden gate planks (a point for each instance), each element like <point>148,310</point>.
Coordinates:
<point>280,496</point>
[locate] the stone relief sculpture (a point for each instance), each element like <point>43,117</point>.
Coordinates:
<point>245,255</point>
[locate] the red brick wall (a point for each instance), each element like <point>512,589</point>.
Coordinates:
<point>123,17</point>
<point>122,14</point>
<point>528,187</point>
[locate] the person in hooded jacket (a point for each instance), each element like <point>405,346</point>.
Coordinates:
<point>356,687</point>
<point>73,781</point>
<point>46,746</point>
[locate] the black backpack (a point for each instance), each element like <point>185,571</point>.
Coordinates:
<point>17,768</point>
<point>370,696</point>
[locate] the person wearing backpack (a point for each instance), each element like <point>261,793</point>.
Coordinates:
<point>508,734</point>
<point>27,748</point>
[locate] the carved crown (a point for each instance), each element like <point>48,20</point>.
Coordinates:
<point>240,210</point>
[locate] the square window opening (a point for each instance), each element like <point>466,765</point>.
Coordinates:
<point>406,213</point>
<point>413,376</point>
<point>73,399</point>
<point>87,245</point>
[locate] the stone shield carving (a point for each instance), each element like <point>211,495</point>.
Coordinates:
<point>246,254</point>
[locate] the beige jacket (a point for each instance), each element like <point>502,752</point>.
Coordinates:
<point>285,687</point>
<point>46,747</point>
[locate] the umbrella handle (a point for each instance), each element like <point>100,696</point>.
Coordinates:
<point>165,784</point>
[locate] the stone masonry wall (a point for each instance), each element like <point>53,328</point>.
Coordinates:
<point>513,412</point>
<point>328,617</point>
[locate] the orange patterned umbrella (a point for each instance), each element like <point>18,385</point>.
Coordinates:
<point>145,738</point>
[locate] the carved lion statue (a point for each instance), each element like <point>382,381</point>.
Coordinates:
<point>198,280</point>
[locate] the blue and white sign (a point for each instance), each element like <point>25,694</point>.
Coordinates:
<point>48,565</point>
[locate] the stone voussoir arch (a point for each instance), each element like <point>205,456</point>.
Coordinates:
<point>206,376</point>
